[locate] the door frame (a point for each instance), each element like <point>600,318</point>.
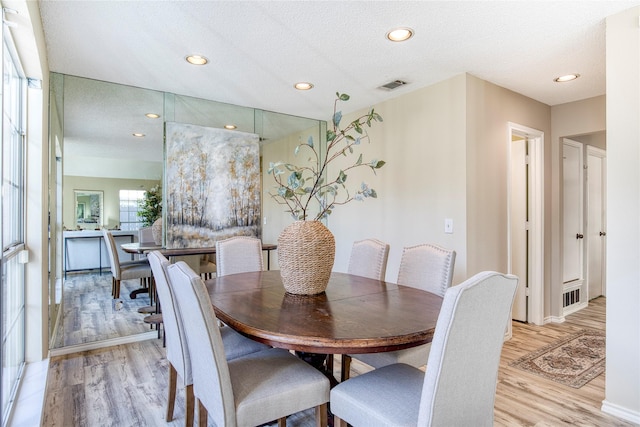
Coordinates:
<point>535,302</point>
<point>596,152</point>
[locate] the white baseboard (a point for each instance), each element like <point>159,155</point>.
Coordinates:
<point>102,344</point>
<point>620,412</point>
<point>573,308</point>
<point>554,319</point>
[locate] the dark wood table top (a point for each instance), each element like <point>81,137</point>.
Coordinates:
<point>354,315</point>
<point>137,248</point>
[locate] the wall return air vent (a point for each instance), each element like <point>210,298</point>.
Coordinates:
<point>393,85</point>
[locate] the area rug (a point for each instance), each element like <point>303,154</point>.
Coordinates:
<point>573,360</point>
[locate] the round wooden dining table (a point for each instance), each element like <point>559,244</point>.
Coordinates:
<point>354,315</point>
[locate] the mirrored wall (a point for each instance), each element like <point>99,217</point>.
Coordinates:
<point>107,139</point>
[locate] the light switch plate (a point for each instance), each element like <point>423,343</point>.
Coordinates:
<point>448,225</point>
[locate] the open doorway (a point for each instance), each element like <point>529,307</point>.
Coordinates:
<point>583,220</point>
<point>525,218</point>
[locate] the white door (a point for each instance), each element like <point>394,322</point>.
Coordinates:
<point>596,214</point>
<point>525,213</point>
<point>518,224</point>
<point>573,238</point>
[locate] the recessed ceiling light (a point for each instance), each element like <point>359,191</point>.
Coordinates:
<point>303,86</point>
<point>196,59</point>
<point>566,78</point>
<point>230,127</point>
<point>400,34</point>
<point>152,115</point>
<point>139,135</point>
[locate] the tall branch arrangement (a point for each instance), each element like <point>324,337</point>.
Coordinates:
<point>298,186</point>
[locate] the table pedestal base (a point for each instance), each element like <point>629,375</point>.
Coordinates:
<point>324,364</point>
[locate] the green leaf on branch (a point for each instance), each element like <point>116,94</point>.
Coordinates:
<point>306,183</point>
<point>336,118</point>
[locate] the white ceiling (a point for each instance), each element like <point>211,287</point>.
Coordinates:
<point>259,49</point>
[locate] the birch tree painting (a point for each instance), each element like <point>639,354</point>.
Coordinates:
<point>212,180</point>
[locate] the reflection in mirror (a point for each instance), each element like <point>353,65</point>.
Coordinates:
<point>97,150</point>
<point>88,209</point>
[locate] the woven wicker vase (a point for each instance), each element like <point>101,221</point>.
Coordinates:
<point>156,230</point>
<point>306,250</point>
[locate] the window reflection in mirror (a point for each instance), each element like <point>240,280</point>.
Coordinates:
<point>88,209</point>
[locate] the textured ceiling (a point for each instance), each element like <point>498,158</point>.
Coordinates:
<point>259,49</point>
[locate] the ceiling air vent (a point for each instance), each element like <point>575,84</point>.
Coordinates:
<point>393,85</point>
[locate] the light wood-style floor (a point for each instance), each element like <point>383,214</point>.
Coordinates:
<point>125,385</point>
<point>89,314</point>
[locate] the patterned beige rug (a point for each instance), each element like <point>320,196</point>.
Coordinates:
<point>573,360</point>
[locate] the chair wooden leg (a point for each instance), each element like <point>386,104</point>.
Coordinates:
<point>321,415</point>
<point>190,406</point>
<point>337,422</point>
<point>202,414</point>
<point>345,367</point>
<point>171,397</point>
<point>329,363</point>
<point>282,422</point>
<point>117,291</point>
<point>151,288</point>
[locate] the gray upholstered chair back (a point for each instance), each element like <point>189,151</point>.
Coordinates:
<point>369,259</point>
<point>112,250</point>
<point>145,236</point>
<point>459,388</point>
<point>211,379</point>
<point>239,254</point>
<point>427,267</point>
<point>177,349</point>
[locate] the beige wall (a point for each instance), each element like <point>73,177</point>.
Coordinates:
<point>622,389</point>
<point>446,151</point>
<point>111,188</point>
<point>490,108</point>
<point>422,141</point>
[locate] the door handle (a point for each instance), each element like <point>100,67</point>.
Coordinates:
<point>602,233</point>
<point>579,236</point>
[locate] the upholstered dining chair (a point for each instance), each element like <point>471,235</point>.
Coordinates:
<point>126,270</point>
<point>430,268</point>
<point>235,345</point>
<point>459,386</point>
<point>239,254</point>
<point>249,390</point>
<point>369,259</point>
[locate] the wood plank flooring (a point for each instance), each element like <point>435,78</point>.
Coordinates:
<point>88,314</point>
<point>126,385</point>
